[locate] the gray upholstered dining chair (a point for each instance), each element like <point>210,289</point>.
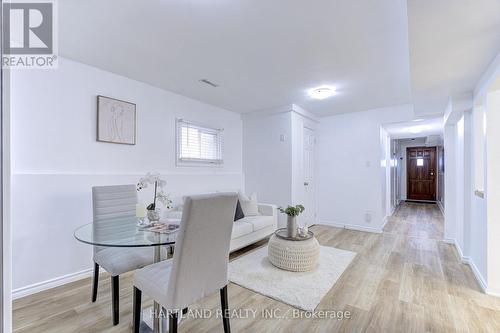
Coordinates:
<point>199,265</point>
<point>111,204</point>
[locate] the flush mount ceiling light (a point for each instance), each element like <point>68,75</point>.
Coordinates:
<point>321,92</point>
<point>418,129</point>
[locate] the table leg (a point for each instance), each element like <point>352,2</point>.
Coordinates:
<point>156,307</point>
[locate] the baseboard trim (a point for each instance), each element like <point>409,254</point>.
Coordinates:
<point>386,219</point>
<point>49,284</point>
<point>441,208</point>
<point>468,261</point>
<point>479,278</point>
<point>492,293</point>
<point>352,226</point>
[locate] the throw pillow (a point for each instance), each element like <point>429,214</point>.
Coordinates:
<point>249,204</point>
<point>238,214</point>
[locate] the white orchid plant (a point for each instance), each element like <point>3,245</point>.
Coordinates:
<point>159,184</point>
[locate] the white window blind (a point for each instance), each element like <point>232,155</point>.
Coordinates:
<point>198,144</point>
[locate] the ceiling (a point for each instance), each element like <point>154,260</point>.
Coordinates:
<point>451,44</point>
<point>266,54</point>
<point>416,128</point>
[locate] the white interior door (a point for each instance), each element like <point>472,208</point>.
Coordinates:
<point>309,181</point>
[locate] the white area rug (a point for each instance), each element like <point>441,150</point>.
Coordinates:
<point>303,290</point>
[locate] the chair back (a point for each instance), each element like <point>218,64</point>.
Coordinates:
<point>202,248</point>
<point>113,210</point>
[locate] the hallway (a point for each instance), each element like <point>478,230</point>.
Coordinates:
<point>416,220</point>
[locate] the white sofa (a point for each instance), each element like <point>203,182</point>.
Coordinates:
<point>249,229</point>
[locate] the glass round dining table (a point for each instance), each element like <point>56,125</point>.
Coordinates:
<point>125,232</point>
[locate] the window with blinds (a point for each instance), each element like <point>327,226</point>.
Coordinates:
<point>198,144</point>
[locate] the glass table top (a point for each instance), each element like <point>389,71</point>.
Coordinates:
<point>123,232</point>
<point>283,234</point>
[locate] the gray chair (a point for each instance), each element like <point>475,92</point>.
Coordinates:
<point>111,204</point>
<point>199,265</point>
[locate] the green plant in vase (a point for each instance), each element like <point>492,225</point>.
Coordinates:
<point>291,222</point>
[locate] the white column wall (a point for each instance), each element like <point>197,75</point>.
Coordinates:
<point>450,181</point>
<point>493,190</point>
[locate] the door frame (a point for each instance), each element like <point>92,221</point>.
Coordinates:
<point>5,183</point>
<point>408,174</point>
<point>313,217</point>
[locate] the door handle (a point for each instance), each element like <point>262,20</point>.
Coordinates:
<point>306,183</point>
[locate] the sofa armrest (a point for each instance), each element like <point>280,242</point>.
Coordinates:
<point>268,209</point>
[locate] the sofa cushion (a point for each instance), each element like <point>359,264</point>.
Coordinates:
<point>241,229</point>
<point>258,222</point>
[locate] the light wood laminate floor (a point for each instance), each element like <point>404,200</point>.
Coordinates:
<point>403,280</point>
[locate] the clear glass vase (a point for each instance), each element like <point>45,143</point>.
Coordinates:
<point>154,215</point>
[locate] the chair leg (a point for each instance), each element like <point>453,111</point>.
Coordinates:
<point>115,287</point>
<point>95,282</point>
<point>172,322</point>
<point>225,309</point>
<point>137,310</point>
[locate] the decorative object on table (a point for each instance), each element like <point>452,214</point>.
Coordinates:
<point>162,228</point>
<point>291,223</point>
<point>116,121</point>
<point>296,254</point>
<point>303,231</point>
<point>153,210</point>
<point>140,213</point>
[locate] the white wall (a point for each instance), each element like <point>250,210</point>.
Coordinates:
<point>493,190</point>
<point>394,167</point>
<point>480,229</point>
<point>441,175</point>
<point>56,159</point>
<point>459,184</point>
<point>349,167</point>
<point>385,172</point>
<point>477,237</point>
<point>273,152</point>
<point>267,157</point>
<point>450,181</point>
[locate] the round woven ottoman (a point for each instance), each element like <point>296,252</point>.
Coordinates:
<point>293,255</point>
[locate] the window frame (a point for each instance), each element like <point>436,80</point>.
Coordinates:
<point>180,161</point>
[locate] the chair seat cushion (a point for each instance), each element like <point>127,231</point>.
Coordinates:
<point>258,222</point>
<point>241,228</point>
<point>119,260</point>
<point>153,280</point>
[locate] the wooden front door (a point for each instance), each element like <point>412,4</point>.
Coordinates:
<point>421,173</point>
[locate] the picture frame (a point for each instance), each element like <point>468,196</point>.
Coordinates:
<point>116,121</point>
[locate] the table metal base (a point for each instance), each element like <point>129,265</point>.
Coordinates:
<point>147,321</point>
